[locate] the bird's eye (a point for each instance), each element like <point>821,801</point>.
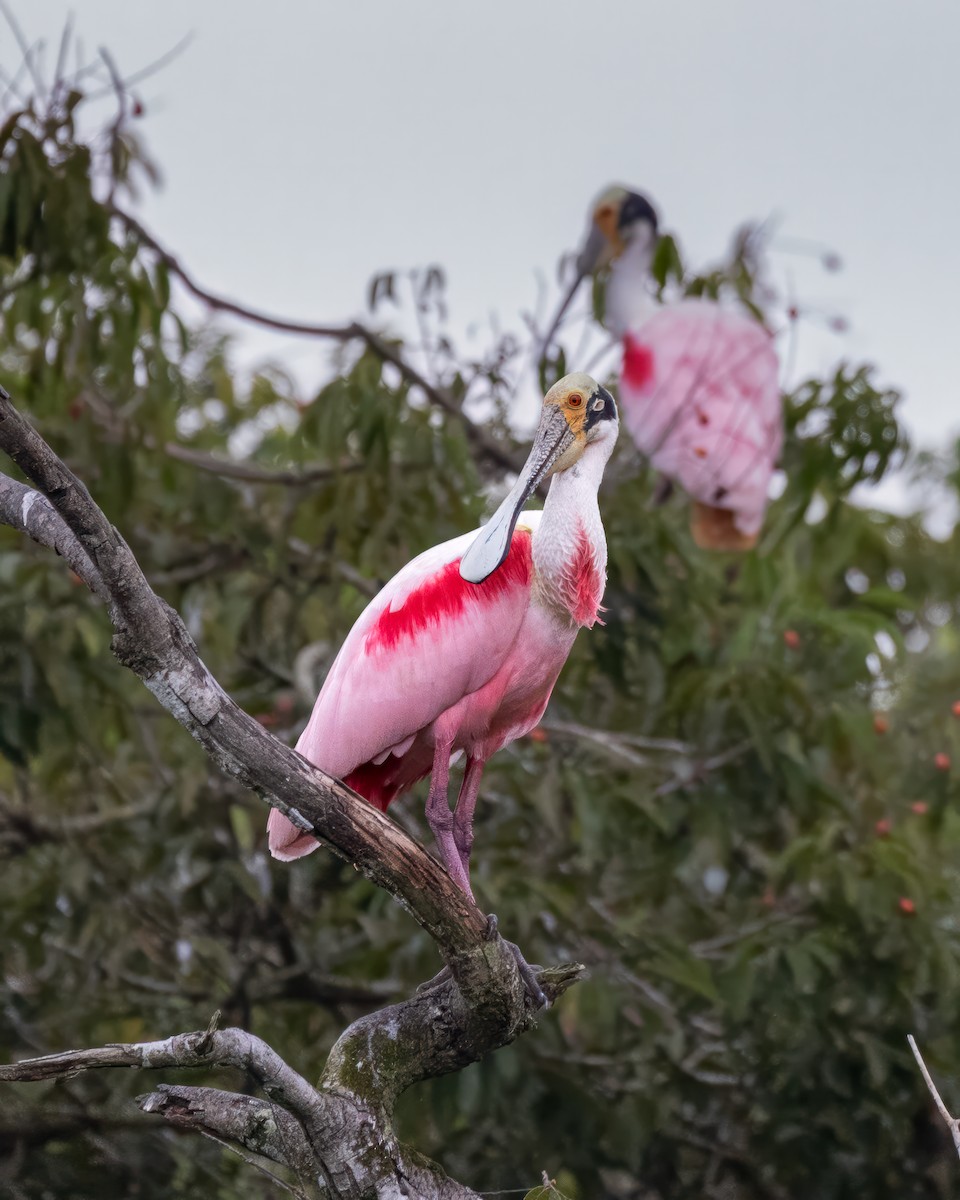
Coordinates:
<point>575,400</point>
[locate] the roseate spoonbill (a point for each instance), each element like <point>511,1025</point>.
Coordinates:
<point>698,385</point>
<point>460,651</point>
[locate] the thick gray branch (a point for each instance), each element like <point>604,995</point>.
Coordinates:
<point>258,1125</point>
<point>383,1053</point>
<point>23,508</point>
<point>347,1122</point>
<point>153,642</point>
<point>224,1047</point>
<point>330,1140</point>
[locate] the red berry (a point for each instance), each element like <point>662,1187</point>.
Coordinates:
<point>956,708</point>
<point>883,827</point>
<point>880,724</point>
<point>919,807</point>
<point>941,762</point>
<point>907,906</point>
<point>791,638</point>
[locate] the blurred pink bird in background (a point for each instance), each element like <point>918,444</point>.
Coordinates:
<point>699,383</point>
<point>459,653</point>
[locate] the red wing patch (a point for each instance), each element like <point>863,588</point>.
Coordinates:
<point>637,363</point>
<point>446,595</point>
<point>381,783</point>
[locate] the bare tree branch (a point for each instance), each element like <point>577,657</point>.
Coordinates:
<point>386,1052</point>
<point>20,826</point>
<point>604,737</point>
<point>476,1007</point>
<point>952,1123</point>
<point>247,472</point>
<point>32,513</point>
<point>152,641</point>
<point>317,1136</point>
<point>481,441</point>
<point>26,50</point>
<point>211,1047</point>
<point>151,68</point>
<point>265,1128</point>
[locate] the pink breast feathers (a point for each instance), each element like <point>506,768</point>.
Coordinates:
<point>445,595</point>
<point>583,581</point>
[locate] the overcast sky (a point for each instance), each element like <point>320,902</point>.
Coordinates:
<point>306,145</point>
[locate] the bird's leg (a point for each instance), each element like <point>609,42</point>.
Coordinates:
<point>440,818</point>
<point>454,836</point>
<point>463,816</point>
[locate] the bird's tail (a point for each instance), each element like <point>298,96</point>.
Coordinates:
<point>716,529</point>
<point>285,840</point>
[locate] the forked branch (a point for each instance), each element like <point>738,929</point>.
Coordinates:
<point>478,1007</point>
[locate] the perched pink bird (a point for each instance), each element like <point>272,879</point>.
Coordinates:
<point>460,651</point>
<point>699,383</point>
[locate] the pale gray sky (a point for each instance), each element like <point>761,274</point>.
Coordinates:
<point>306,145</point>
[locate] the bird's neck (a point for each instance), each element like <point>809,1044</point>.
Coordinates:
<point>629,300</point>
<point>569,548</point>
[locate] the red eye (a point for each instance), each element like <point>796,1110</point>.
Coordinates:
<point>575,400</point>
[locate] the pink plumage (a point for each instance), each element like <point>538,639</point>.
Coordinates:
<point>426,642</point>
<point>699,384</point>
<point>460,651</point>
<point>701,398</point>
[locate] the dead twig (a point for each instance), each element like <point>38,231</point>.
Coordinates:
<point>952,1123</point>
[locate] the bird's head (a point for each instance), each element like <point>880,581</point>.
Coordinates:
<point>619,218</point>
<point>577,412</point>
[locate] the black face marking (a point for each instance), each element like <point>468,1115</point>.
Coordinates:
<point>602,407</point>
<point>636,208</point>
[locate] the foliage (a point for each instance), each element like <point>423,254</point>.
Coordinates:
<point>735,812</point>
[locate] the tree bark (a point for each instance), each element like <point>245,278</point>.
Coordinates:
<point>336,1138</point>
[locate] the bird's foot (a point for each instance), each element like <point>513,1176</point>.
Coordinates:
<point>441,977</point>
<point>528,973</point>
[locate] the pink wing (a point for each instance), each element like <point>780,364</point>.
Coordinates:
<point>426,641</point>
<point>701,397</point>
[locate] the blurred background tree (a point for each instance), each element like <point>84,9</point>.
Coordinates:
<point>741,810</point>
